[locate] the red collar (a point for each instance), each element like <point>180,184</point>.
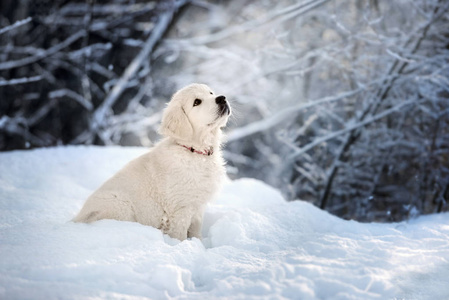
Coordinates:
<point>205,152</point>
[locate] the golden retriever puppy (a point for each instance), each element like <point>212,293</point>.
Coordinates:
<point>169,187</point>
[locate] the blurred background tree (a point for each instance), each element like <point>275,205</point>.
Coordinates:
<point>339,103</point>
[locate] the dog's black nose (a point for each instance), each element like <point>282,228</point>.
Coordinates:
<point>220,100</point>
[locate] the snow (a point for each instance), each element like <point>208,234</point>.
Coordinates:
<point>255,246</point>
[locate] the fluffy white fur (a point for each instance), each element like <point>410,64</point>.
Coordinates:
<point>169,186</point>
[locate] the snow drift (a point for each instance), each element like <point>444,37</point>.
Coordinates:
<point>256,245</point>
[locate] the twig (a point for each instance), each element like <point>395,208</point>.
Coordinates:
<point>71,94</point>
<point>15,126</point>
<point>20,80</point>
<point>41,113</point>
<point>85,80</point>
<point>15,25</point>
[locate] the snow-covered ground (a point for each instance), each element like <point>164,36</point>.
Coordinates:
<point>256,245</point>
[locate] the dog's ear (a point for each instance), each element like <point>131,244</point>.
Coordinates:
<point>175,123</point>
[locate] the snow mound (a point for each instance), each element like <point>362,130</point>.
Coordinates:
<point>256,245</point>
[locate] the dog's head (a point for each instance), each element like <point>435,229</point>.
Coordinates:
<point>194,114</point>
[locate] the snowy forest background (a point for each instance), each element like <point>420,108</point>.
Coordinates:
<point>344,104</point>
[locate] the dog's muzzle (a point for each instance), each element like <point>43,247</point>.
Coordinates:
<point>223,106</point>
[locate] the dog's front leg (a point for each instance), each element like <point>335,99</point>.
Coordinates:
<point>178,226</point>
<point>195,226</point>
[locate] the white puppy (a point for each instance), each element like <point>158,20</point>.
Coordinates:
<point>168,187</point>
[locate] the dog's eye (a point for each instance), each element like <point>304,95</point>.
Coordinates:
<point>197,102</point>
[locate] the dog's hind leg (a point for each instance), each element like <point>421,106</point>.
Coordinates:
<point>106,209</point>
